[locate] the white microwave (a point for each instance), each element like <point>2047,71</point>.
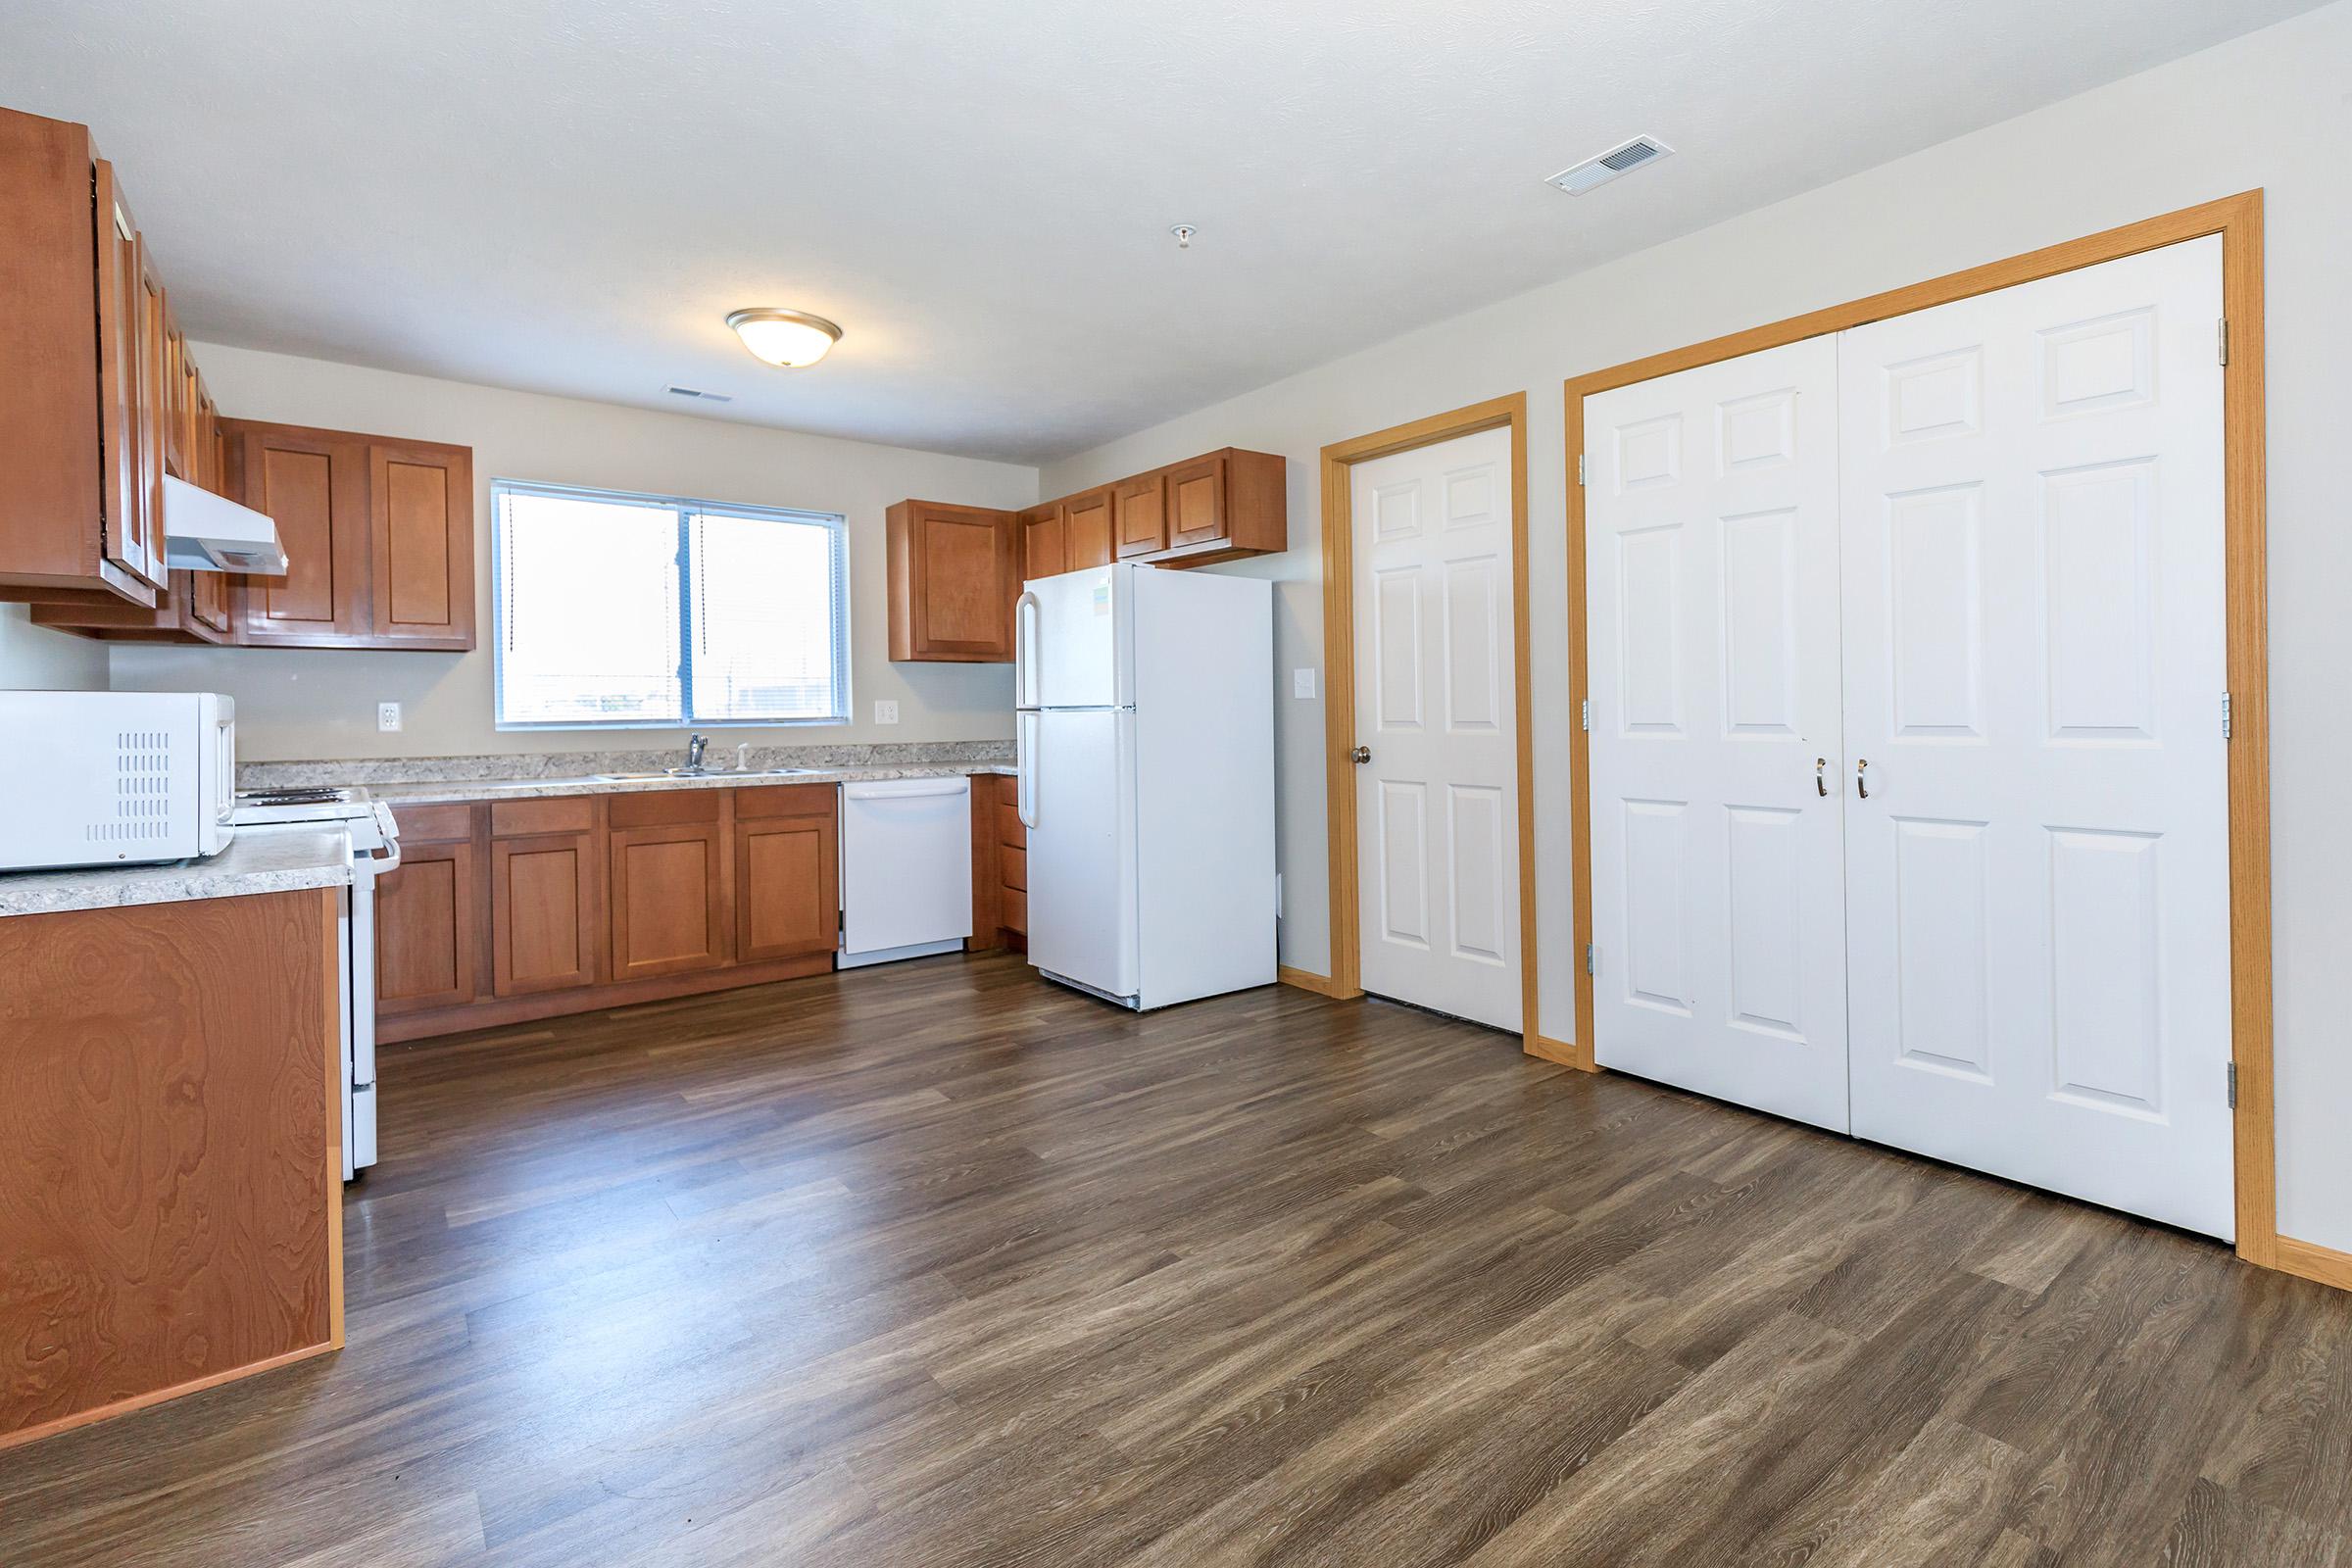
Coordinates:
<point>115,778</point>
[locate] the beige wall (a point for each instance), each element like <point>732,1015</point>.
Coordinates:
<point>294,703</point>
<point>36,659</point>
<point>2273,109</point>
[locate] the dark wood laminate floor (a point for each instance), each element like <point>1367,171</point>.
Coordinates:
<point>944,1266</point>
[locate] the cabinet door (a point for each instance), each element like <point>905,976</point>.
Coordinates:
<point>1086,530</point>
<point>120,355</point>
<point>1045,541</point>
<point>543,912</point>
<point>155,414</point>
<point>1197,503</point>
<point>665,893</point>
<point>176,402</point>
<point>1140,512</point>
<point>955,572</point>
<point>313,485</point>
<point>420,532</point>
<point>787,887</point>
<point>424,931</point>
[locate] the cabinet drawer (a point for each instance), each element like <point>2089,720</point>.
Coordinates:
<point>1014,864</point>
<point>434,824</point>
<point>1016,910</point>
<point>661,806</point>
<point>514,819</point>
<point>786,799</point>
<point>1009,831</point>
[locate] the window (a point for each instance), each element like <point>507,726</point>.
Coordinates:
<point>617,609</point>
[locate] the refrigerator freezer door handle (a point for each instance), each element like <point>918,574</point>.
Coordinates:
<point>1024,799</point>
<point>1024,651</point>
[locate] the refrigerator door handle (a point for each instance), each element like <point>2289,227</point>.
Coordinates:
<point>1024,799</point>
<point>1024,651</point>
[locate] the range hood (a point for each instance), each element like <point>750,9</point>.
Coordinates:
<point>203,532</point>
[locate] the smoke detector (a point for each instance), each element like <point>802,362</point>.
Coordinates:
<point>1621,158</point>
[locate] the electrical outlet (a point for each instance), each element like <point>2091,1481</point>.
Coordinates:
<point>1303,684</point>
<point>886,713</point>
<point>387,717</point>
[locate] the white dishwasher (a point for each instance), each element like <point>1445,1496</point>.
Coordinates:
<point>906,868</point>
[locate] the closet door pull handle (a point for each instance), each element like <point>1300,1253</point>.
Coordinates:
<point>1862,777</point>
<point>1820,785</point>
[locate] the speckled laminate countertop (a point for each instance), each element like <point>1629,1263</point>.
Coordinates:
<point>273,860</point>
<point>450,791</point>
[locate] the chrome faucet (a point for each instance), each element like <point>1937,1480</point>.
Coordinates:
<point>694,751</point>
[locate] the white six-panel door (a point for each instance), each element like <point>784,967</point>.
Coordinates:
<point>2038,882</point>
<point>1985,548</point>
<point>1437,804</point>
<point>1711,557</point>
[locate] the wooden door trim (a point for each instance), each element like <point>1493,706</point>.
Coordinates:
<point>1339,694</point>
<point>2238,219</point>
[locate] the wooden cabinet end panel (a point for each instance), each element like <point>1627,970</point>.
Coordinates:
<point>171,1151</point>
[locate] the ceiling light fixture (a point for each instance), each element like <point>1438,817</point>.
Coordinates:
<point>788,338</point>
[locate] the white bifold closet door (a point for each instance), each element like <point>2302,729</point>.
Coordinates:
<point>1973,559</point>
<point>2037,884</point>
<point>1718,895</point>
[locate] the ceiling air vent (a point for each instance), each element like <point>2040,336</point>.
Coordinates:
<point>697,392</point>
<point>1618,160</point>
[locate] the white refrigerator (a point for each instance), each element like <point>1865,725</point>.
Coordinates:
<point>1146,747</point>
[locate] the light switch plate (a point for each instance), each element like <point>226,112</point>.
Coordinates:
<point>1302,683</point>
<point>387,717</point>
<point>886,713</point>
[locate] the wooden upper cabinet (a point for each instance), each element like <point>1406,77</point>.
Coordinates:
<point>1045,541</point>
<point>420,527</point>
<point>1086,526</point>
<point>955,572</point>
<point>1140,515</point>
<point>1196,502</point>
<point>378,536</point>
<point>76,497</point>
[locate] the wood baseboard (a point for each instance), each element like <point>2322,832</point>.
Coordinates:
<point>1563,1052</point>
<point>1321,985</point>
<point>591,998</point>
<point>2313,1261</point>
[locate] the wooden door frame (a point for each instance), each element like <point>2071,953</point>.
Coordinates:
<point>2238,219</point>
<point>1339,694</point>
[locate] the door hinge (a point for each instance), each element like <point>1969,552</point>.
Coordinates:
<point>2233,1086</point>
<point>1592,959</point>
<point>1588,712</point>
<point>2221,339</point>
<point>2225,715</point>
<point>1580,468</point>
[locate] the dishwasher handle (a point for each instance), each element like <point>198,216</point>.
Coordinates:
<point>903,789</point>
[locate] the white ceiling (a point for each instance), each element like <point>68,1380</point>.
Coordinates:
<point>569,195</point>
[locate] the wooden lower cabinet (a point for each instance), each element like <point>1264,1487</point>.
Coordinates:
<point>668,909</point>
<point>787,872</point>
<point>517,909</point>
<point>425,930</point>
<point>544,915</point>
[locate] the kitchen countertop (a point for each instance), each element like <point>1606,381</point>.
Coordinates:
<point>454,791</point>
<point>277,860</point>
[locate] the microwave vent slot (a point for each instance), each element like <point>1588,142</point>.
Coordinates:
<point>142,804</point>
